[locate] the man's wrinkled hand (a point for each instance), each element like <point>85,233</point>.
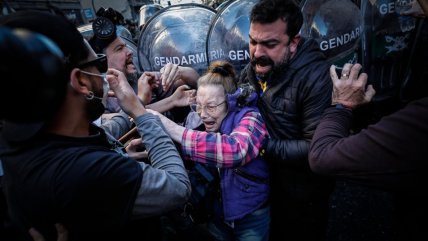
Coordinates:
<point>350,89</point>
<point>170,73</point>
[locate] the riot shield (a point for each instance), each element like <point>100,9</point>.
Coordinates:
<point>146,12</point>
<point>228,35</point>
<point>176,34</point>
<point>337,26</point>
<point>387,46</point>
<point>222,5</point>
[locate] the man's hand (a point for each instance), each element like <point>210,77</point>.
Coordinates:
<point>350,90</point>
<point>128,100</point>
<point>183,96</point>
<point>146,83</point>
<point>133,149</point>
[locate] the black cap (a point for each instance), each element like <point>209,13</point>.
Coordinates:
<point>113,15</point>
<point>36,59</point>
<point>29,97</point>
<point>104,27</point>
<point>57,28</point>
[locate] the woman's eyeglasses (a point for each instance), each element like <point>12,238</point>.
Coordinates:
<point>100,63</point>
<point>210,109</point>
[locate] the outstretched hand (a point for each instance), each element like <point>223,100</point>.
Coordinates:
<point>183,96</point>
<point>350,89</point>
<point>128,100</point>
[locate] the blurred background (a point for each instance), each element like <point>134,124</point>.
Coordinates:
<point>83,11</point>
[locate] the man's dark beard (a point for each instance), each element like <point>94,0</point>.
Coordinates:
<point>263,61</point>
<point>276,69</point>
<point>133,80</point>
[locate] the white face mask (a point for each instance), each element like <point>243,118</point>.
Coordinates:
<point>106,87</point>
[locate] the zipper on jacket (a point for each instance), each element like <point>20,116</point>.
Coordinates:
<point>250,177</point>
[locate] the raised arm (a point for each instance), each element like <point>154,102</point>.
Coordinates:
<point>180,98</point>
<point>165,184</point>
<point>221,150</point>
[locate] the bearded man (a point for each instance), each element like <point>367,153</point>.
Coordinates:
<point>292,79</point>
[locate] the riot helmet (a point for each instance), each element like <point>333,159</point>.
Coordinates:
<point>228,35</point>
<point>177,35</point>
<point>336,25</point>
<point>146,12</point>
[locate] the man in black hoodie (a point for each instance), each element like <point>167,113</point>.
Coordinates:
<point>58,166</point>
<point>291,76</point>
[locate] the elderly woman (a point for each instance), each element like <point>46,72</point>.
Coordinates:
<point>233,136</point>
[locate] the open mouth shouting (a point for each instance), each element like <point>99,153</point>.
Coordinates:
<point>262,65</point>
<point>210,125</point>
<point>129,65</point>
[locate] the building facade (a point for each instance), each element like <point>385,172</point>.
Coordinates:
<point>79,12</point>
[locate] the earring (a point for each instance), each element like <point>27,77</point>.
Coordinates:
<point>90,96</point>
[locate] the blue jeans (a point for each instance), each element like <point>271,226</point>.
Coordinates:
<point>252,227</point>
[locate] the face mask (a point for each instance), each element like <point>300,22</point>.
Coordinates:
<point>97,104</point>
<point>106,87</point>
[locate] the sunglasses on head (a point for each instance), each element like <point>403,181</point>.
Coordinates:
<point>100,63</point>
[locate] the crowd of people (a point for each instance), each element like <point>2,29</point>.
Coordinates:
<point>283,141</point>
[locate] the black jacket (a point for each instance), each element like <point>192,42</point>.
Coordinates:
<point>292,106</point>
